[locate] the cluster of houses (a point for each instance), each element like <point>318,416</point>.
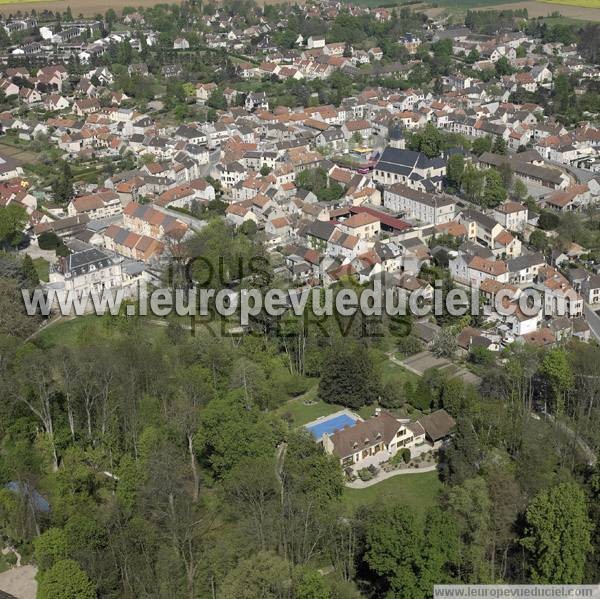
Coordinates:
<point>391,206</point>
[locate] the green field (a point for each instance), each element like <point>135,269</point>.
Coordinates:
<point>418,491</point>
<point>71,331</point>
<point>583,3</point>
<point>466,4</point>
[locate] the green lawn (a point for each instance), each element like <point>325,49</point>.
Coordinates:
<point>396,374</point>
<point>418,491</point>
<point>69,332</point>
<point>300,413</point>
<point>42,267</point>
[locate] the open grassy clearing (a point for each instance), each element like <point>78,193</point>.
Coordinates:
<point>418,491</point>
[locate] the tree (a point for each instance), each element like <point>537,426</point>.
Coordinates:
<point>470,505</point>
<point>506,503</point>
<point>263,575</point>
<point>538,240</point>
<point>557,535</point>
<point>311,585</point>
<point>217,100</point>
<point>392,547</point>
<point>455,169</point>
<point>499,146</point>
<point>473,56</point>
<point>472,183</point>
<point>494,191</point>
<point>349,377</point>
<point>50,547</point>
<point>557,370</point>
<point>440,550</point>
<point>65,580</point>
<point>49,241</point>
<point>519,190</point>
<point>14,321</point>
<point>548,220</point>
<point>481,145</point>
<point>12,221</point>
<point>428,141</point>
<point>28,272</point>
<point>62,186</point>
<point>503,67</point>
<point>481,355</point>
<point>444,344</point>
<point>251,486</point>
<point>110,17</point>
<point>34,389</point>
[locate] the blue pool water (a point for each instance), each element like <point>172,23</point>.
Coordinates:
<point>331,425</point>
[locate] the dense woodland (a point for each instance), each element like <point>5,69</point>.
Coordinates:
<point>171,466</point>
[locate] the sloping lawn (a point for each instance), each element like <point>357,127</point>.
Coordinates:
<point>418,491</point>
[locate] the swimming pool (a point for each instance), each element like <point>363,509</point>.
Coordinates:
<point>330,425</point>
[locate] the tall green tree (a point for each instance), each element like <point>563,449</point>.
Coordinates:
<point>65,580</point>
<point>12,221</point>
<point>557,535</point>
<point>455,169</point>
<point>349,377</point>
<point>392,546</point>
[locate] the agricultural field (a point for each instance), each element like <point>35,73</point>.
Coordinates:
<point>584,3</point>
<point>571,10</point>
<point>17,153</point>
<point>469,4</point>
<point>85,7</point>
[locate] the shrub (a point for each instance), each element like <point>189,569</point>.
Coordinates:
<point>392,395</point>
<point>365,474</point>
<point>408,346</point>
<point>405,453</point>
<point>49,241</point>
